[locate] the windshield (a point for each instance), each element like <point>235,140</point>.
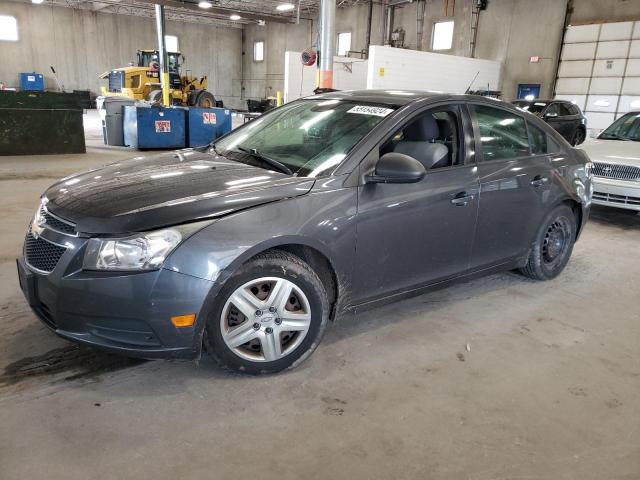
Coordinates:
<point>626,127</point>
<point>308,137</point>
<point>533,107</point>
<point>145,59</point>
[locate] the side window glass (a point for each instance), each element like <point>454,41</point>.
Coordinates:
<point>503,134</point>
<point>538,140</point>
<point>434,138</point>
<point>552,109</point>
<point>564,110</point>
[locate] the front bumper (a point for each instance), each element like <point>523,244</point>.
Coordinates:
<point>616,193</point>
<point>127,313</point>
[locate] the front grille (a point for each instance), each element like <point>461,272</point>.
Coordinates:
<point>116,81</point>
<point>621,199</point>
<point>56,223</point>
<point>616,171</point>
<point>40,254</point>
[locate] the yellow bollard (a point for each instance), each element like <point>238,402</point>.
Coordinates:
<point>165,89</point>
<point>279,99</point>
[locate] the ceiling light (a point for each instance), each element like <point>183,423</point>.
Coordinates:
<point>205,4</point>
<point>37,2</point>
<point>285,7</point>
<point>235,16</point>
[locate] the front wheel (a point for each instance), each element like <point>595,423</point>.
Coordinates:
<point>269,316</point>
<point>578,137</point>
<point>553,245</point>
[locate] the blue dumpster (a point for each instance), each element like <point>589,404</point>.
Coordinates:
<point>204,125</point>
<point>154,128</point>
<point>31,82</point>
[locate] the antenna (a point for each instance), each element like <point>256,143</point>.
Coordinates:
<point>474,79</point>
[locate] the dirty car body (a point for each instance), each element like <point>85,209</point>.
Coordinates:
<point>370,239</point>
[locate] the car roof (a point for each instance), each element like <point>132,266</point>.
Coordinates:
<point>541,100</point>
<point>399,97</point>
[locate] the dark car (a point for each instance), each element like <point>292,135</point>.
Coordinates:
<point>565,117</point>
<point>319,208</point>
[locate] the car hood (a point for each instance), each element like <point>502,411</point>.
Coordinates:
<point>613,151</point>
<point>168,189</point>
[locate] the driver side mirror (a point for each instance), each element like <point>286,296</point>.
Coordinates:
<point>396,167</point>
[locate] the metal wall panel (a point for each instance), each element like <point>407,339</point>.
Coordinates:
<point>617,49</point>
<point>602,103</point>
<point>605,85</point>
<point>629,103</point>
<point>633,67</point>
<point>599,121</point>
<point>579,51</point>
<point>616,31</point>
<point>631,86</point>
<point>609,68</point>
<point>582,33</point>
<point>573,86</point>
<point>611,79</point>
<point>575,68</point>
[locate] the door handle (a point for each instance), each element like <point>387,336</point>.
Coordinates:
<point>462,199</point>
<point>539,181</point>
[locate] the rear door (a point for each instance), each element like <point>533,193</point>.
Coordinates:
<point>514,186</point>
<point>560,119</point>
<point>414,234</point>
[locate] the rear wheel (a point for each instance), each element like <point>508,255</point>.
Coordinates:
<point>269,316</point>
<point>553,245</point>
<point>578,137</point>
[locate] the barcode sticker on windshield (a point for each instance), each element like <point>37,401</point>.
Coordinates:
<point>367,110</point>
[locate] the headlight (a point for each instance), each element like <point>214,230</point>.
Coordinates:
<point>146,251</point>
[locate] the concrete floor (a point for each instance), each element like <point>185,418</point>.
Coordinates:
<point>550,388</point>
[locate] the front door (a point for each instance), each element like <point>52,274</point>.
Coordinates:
<point>414,234</point>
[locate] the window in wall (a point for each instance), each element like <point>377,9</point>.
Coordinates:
<point>258,51</point>
<point>171,42</point>
<point>503,134</point>
<point>344,43</point>
<point>8,28</point>
<point>442,35</point>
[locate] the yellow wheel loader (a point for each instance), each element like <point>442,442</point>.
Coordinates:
<point>142,82</point>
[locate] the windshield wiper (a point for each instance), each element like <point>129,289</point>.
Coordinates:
<point>274,163</point>
<point>611,136</point>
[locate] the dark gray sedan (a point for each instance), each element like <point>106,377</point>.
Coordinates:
<point>324,206</point>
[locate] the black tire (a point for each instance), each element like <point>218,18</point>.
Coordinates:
<point>274,263</point>
<point>578,137</point>
<point>205,100</point>
<point>553,245</point>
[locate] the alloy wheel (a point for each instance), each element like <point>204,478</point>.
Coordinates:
<point>265,319</point>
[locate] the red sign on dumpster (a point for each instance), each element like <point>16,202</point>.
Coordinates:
<point>209,118</point>
<point>163,126</point>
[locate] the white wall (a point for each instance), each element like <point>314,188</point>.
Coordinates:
<point>395,68</point>
<point>300,80</point>
<point>81,45</point>
<point>600,71</point>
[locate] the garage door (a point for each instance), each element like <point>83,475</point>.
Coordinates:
<point>600,71</point>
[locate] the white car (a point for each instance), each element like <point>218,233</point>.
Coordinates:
<point>616,163</point>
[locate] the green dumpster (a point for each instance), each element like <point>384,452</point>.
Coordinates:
<point>40,123</point>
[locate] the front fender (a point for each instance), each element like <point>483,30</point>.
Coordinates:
<point>322,219</point>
